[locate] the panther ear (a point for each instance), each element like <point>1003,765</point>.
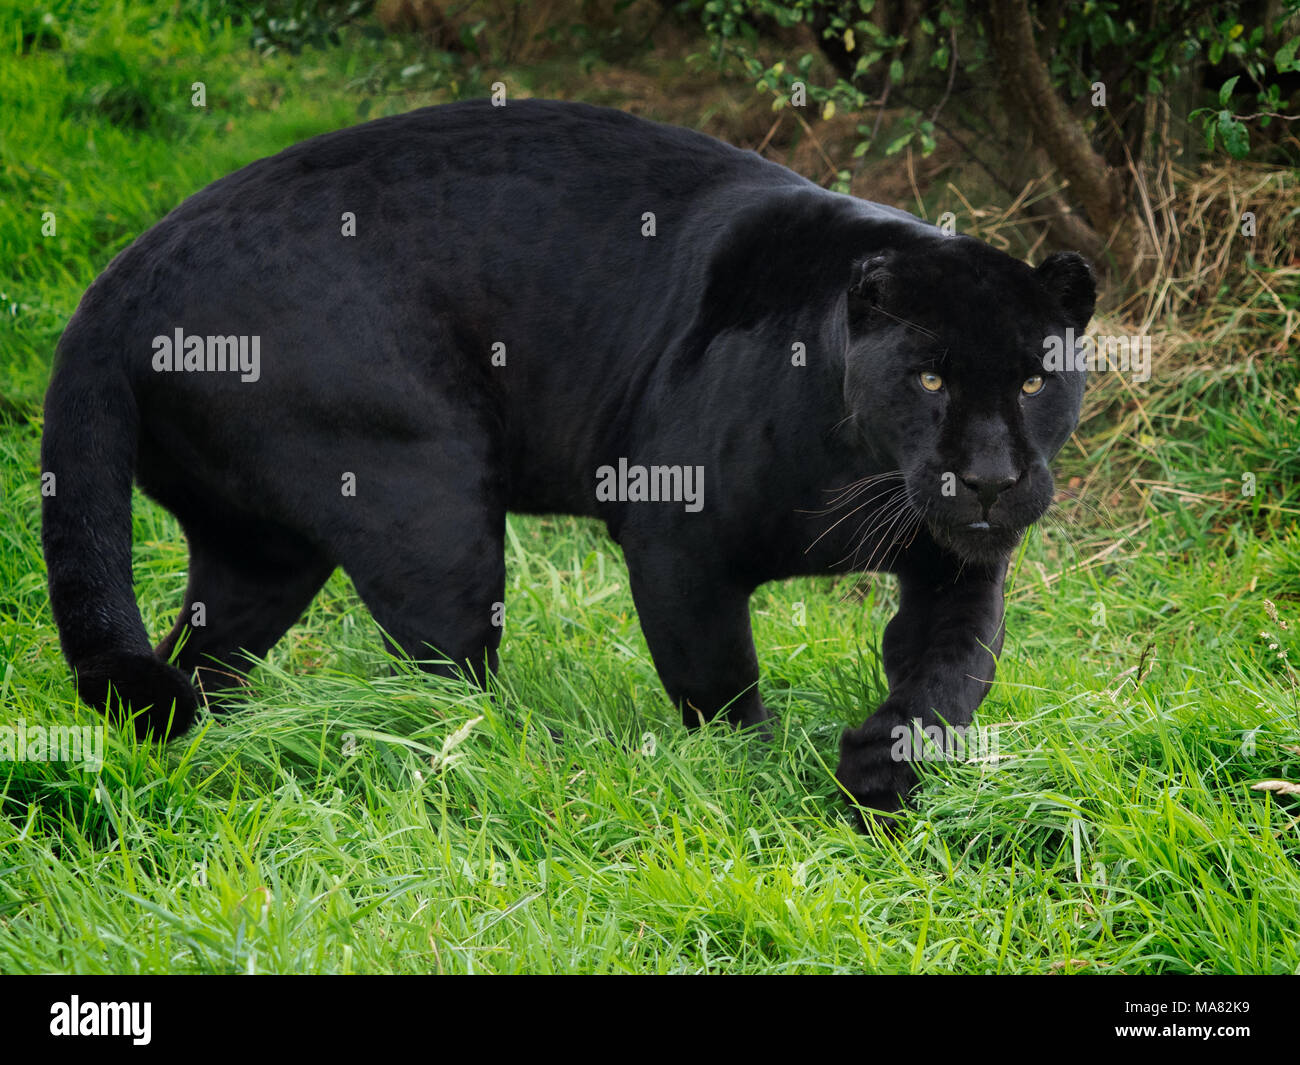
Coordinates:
<point>1068,276</point>
<point>868,289</point>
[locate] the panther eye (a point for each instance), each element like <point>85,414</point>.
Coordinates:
<point>1032,385</point>
<point>931,382</point>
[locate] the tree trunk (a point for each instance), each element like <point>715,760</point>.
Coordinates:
<point>1107,224</point>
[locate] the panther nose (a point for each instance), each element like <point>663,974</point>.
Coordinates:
<point>988,488</point>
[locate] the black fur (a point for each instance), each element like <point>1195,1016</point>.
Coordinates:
<point>522,226</point>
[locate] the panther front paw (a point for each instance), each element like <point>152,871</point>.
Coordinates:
<point>878,783</point>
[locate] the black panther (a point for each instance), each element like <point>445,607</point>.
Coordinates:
<point>364,351</point>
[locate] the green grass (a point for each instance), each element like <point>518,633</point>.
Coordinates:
<point>353,820</point>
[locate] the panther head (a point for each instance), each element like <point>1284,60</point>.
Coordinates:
<point>945,374</point>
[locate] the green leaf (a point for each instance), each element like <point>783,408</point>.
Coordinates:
<point>1285,59</point>
<point>1225,93</point>
<point>896,71</point>
<point>899,143</point>
<point>1236,138</point>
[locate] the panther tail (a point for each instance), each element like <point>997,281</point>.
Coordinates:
<point>88,455</point>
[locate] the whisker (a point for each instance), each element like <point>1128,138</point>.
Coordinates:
<point>888,507</point>
<point>852,491</point>
<point>905,510</point>
<point>906,534</point>
<point>847,418</point>
<point>903,539</point>
<point>893,489</point>
<point>887,521</point>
